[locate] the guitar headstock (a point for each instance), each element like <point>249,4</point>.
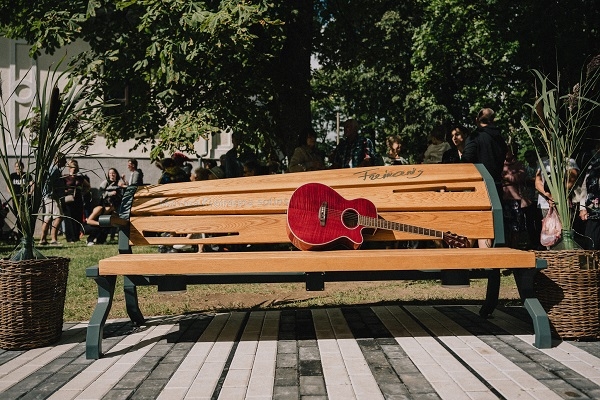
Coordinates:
<point>454,240</point>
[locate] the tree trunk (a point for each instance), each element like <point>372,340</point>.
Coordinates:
<point>293,113</point>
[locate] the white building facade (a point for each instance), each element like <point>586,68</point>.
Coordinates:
<point>20,74</point>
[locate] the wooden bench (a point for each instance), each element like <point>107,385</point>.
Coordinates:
<point>251,211</point>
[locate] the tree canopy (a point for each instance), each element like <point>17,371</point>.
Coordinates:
<point>175,70</point>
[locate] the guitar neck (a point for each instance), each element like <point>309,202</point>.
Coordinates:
<point>381,223</point>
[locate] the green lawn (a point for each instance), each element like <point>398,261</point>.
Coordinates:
<point>82,291</point>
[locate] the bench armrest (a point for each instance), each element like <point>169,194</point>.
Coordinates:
<point>107,221</point>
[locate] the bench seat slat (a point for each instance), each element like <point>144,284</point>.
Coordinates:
<point>304,261</point>
<point>364,177</point>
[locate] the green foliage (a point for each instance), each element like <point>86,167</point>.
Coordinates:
<point>46,25</point>
<point>440,61</point>
<point>399,67</point>
<point>365,70</point>
<point>184,131</point>
<point>180,59</point>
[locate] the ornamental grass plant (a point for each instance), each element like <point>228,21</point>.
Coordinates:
<point>560,120</point>
<point>55,123</point>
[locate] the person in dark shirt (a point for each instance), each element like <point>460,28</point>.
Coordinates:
<point>172,173</point>
<point>487,146</point>
<point>234,160</point>
<point>459,135</point>
<point>72,201</point>
<point>354,150</point>
<point>20,180</point>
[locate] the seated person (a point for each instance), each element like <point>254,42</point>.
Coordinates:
<point>437,146</point>
<point>307,157</point>
<point>112,185</point>
<point>96,233</point>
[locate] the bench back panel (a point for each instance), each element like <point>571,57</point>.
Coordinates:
<point>253,209</point>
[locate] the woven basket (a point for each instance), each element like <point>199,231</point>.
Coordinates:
<point>32,299</point>
<point>569,292</point>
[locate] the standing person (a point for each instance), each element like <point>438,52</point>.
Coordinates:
<point>459,135</point>
<point>394,147</point>
<point>307,157</point>
<point>136,176</point>
<point>487,146</point>
<point>437,147</point>
<point>354,150</point>
<point>75,187</point>
<point>233,161</point>
<point>589,205</point>
<point>515,203</point>
<point>52,211</point>
<point>21,181</point>
<point>533,215</point>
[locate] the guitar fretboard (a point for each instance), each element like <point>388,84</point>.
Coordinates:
<point>396,226</point>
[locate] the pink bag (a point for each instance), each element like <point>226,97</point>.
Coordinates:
<point>551,228</point>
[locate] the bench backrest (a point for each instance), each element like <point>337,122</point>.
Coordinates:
<point>252,210</point>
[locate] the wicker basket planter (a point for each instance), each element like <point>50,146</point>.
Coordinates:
<point>32,299</point>
<point>569,292</point>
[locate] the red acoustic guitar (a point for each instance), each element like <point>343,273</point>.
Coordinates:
<point>319,218</point>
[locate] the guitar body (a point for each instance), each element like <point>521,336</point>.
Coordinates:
<point>319,218</point>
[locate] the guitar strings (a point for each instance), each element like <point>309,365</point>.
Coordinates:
<point>355,217</point>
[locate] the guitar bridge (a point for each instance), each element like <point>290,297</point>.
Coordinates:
<point>323,213</point>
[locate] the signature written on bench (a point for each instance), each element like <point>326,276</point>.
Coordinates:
<point>319,218</point>
<point>374,174</point>
<point>222,203</point>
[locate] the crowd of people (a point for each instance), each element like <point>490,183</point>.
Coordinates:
<point>520,184</point>
<point>69,207</point>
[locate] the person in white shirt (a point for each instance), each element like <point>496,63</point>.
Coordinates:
<point>136,176</point>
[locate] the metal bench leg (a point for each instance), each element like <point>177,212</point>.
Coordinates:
<point>492,294</point>
<point>541,324</point>
<point>93,342</point>
<point>131,302</point>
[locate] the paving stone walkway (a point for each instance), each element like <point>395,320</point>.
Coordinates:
<point>379,352</point>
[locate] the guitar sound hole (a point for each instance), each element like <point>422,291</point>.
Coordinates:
<point>350,218</point>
